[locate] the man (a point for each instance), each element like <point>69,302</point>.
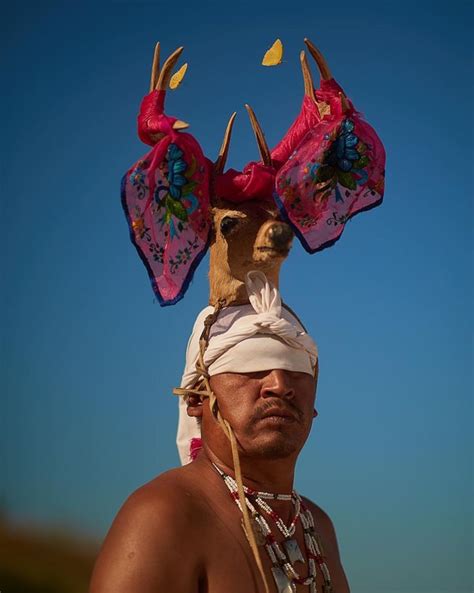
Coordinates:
<point>183,532</point>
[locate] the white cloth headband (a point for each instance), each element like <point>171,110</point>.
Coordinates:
<point>259,336</point>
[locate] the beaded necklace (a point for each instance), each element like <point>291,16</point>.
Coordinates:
<point>284,573</point>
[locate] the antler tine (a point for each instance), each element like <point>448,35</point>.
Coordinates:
<point>307,78</point>
<point>262,143</point>
<point>155,69</point>
<point>344,103</point>
<point>165,73</point>
<point>319,58</point>
<point>224,151</point>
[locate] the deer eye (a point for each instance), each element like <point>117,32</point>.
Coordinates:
<point>227,224</point>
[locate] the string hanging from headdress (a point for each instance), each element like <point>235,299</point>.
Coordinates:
<point>266,320</point>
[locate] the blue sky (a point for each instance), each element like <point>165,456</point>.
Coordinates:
<point>90,359</point>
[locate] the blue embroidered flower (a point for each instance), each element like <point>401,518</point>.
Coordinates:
<point>138,180</point>
<point>342,153</point>
<point>176,166</point>
<point>313,171</point>
<point>342,165</point>
<point>137,177</point>
<point>176,201</point>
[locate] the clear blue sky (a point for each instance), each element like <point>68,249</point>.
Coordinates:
<point>90,359</point>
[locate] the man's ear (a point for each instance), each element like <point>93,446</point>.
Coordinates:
<point>316,376</point>
<point>194,406</point>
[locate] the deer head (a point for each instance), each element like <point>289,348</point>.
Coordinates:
<point>247,237</point>
<point>328,166</point>
<point>247,232</point>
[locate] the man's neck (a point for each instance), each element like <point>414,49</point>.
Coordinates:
<point>262,475</point>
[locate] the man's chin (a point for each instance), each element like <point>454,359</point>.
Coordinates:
<point>277,452</point>
<point>273,448</point>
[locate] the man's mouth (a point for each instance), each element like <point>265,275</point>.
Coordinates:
<point>278,415</point>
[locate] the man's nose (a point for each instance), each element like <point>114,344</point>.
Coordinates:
<point>277,384</point>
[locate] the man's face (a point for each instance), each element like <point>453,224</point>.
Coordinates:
<point>271,412</point>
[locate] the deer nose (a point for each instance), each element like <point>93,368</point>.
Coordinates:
<point>280,234</point>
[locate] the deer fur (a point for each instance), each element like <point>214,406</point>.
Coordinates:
<point>257,241</point>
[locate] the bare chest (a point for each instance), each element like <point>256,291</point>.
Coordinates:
<point>231,567</point>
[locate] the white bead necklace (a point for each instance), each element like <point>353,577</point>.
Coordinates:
<point>259,497</point>
<point>284,573</point>
<point>287,532</point>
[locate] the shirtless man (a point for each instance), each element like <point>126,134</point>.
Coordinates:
<point>182,533</point>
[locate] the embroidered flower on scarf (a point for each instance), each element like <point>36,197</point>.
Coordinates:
<point>176,168</point>
<point>137,179</point>
<point>342,153</point>
<point>174,197</point>
<point>343,164</point>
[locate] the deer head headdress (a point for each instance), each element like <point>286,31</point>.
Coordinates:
<point>328,167</point>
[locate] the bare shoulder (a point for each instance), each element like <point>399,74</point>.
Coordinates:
<point>326,531</point>
<point>321,518</point>
<point>151,539</point>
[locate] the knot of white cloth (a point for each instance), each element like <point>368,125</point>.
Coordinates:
<point>281,327</point>
<point>264,316</point>
<point>266,302</point>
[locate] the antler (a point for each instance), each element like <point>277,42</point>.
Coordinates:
<point>224,151</point>
<point>344,103</point>
<point>256,179</point>
<point>262,144</point>
<point>307,77</point>
<point>319,59</point>
<point>165,74</point>
<point>155,69</point>
<point>159,79</point>
<point>317,104</point>
<point>325,74</point>
<point>259,135</point>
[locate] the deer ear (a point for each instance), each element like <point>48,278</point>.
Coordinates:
<point>336,171</point>
<point>165,196</point>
